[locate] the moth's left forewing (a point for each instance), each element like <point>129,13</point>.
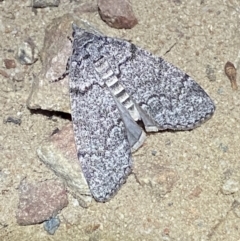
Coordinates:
<point>166,97</point>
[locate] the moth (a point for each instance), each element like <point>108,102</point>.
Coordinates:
<point>113,84</point>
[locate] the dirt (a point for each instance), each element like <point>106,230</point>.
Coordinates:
<point>197,36</point>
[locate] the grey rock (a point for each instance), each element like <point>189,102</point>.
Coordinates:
<point>45,3</point>
<point>60,155</point>
<point>27,52</point>
<point>14,120</point>
<point>51,225</point>
<point>210,71</point>
<point>154,152</point>
<point>54,56</point>
<point>223,147</point>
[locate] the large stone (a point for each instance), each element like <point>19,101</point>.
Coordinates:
<point>40,201</point>
<point>60,155</point>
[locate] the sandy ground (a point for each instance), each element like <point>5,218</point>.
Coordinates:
<point>197,36</point>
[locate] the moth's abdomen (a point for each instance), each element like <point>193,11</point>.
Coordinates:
<point>109,78</point>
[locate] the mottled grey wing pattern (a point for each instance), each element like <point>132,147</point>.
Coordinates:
<point>100,134</point>
<point>166,97</point>
<point>113,83</point>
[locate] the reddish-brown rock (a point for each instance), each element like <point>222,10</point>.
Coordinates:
<point>9,63</point>
<point>40,201</point>
<point>117,14</point>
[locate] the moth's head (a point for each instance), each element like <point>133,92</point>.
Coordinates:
<point>76,30</point>
<point>81,36</point>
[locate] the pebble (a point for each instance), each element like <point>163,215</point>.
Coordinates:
<point>51,225</point>
<point>40,201</point>
<point>230,186</point>
<point>27,52</point>
<point>9,63</point>
<point>117,14</point>
<point>45,3</point>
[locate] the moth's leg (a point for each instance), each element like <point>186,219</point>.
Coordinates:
<point>150,124</point>
<point>136,136</point>
<point>61,77</point>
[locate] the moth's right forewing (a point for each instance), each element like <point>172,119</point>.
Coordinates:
<point>167,96</point>
<point>101,138</point>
